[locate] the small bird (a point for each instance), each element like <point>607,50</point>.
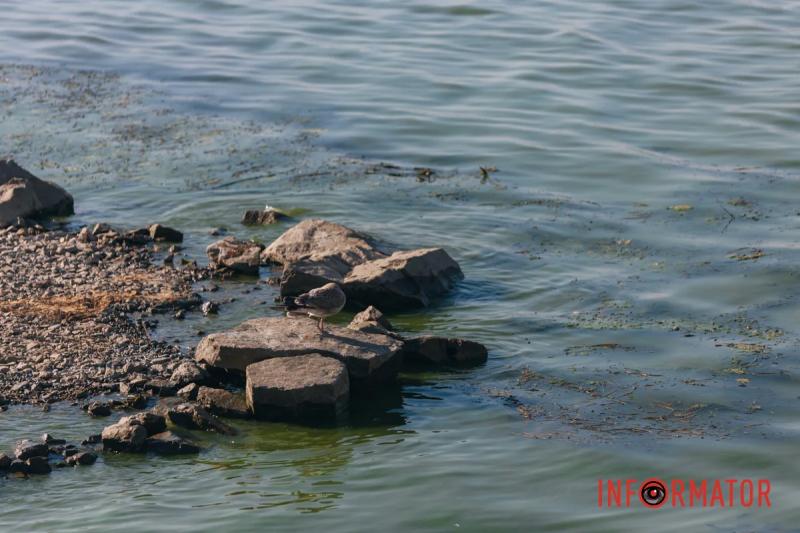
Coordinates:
<point>321,303</point>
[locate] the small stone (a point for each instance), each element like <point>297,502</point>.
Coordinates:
<point>152,422</point>
<point>82,458</point>
<point>38,465</point>
<point>210,308</point>
<point>163,233</point>
<point>161,387</point>
<point>5,461</point>
<point>18,467</point>
<point>98,409</point>
<point>136,401</point>
<point>223,403</point>
<point>47,438</point>
<point>189,392</point>
<point>188,372</point>
<point>180,314</point>
<point>26,449</point>
<point>124,437</point>
<point>92,439</point>
<point>168,443</point>
<point>262,217</point>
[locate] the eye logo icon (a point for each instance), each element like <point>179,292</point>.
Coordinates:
<point>653,493</point>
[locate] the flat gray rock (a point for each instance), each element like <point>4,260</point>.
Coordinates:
<point>302,387</point>
<point>368,356</point>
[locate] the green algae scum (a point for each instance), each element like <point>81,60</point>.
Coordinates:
<point>616,180</point>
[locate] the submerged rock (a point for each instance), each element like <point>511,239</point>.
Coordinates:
<point>233,254</point>
<point>368,357</point>
<point>168,443</point>
<point>222,402</point>
<point>440,350</point>
<point>265,217</point>
<point>82,458</point>
<point>24,195</point>
<point>191,416</point>
<point>38,465</point>
<point>306,386</point>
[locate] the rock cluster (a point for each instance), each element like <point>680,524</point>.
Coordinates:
<point>295,372</point>
<point>315,252</point>
<point>38,457</point>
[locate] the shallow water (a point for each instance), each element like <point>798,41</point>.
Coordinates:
<point>646,157</point>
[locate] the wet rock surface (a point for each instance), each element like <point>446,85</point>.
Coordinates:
<point>301,387</point>
<point>24,195</point>
<point>222,402</point>
<point>368,357</point>
<point>262,217</point>
<point>192,416</point>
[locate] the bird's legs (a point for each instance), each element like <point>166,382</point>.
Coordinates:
<point>321,325</point>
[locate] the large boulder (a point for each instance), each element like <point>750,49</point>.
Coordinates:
<point>403,280</point>
<point>443,351</point>
<point>368,357</point>
<point>304,387</point>
<point>222,402</point>
<point>315,252</point>
<point>24,195</point>
<point>235,255</point>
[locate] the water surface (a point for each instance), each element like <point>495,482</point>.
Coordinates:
<point>631,261</point>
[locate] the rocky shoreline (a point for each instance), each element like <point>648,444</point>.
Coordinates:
<point>74,326</point>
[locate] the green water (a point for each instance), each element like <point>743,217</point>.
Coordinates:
<point>618,324</point>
